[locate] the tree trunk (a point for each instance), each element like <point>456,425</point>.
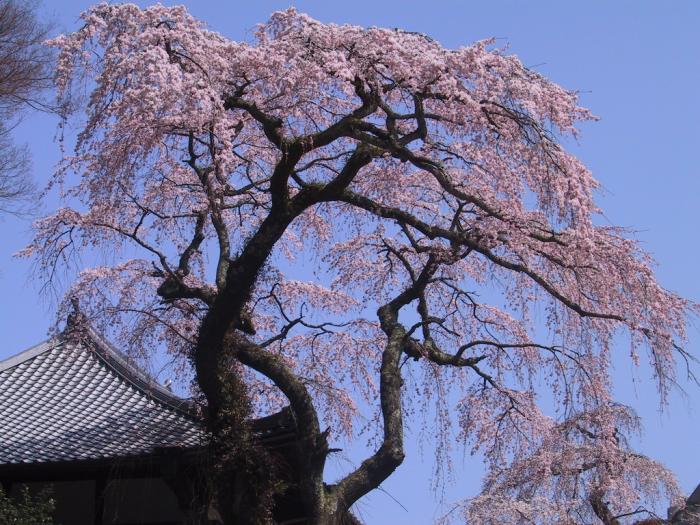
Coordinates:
<point>242,471</point>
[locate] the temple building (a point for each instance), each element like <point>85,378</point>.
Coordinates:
<point>114,446</point>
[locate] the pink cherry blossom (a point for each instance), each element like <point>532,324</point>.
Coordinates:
<point>430,190</point>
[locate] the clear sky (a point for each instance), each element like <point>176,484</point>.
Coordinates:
<point>637,64</point>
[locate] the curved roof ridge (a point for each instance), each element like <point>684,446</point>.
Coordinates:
<point>120,364</point>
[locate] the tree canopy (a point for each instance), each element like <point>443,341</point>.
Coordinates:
<point>24,75</point>
<point>430,190</point>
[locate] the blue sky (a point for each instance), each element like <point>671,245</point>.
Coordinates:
<point>636,64</point>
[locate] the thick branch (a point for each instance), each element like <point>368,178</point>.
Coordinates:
<point>271,125</point>
<point>601,509</point>
<point>312,442</point>
<point>374,470</point>
<point>193,246</point>
<point>370,474</point>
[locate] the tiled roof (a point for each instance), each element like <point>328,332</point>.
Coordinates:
<point>73,399</point>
